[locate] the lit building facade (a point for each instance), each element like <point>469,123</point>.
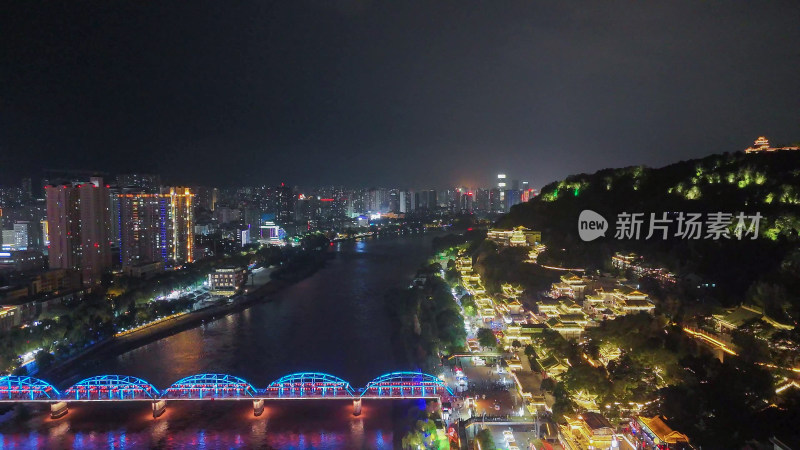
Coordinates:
<point>179,224</point>
<point>79,223</point>
<point>156,227</point>
<point>226,280</point>
<point>762,145</point>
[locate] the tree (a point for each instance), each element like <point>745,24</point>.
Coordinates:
<point>422,436</point>
<point>451,276</point>
<point>548,384</point>
<point>44,359</point>
<point>468,303</point>
<point>485,440</point>
<point>587,379</point>
<point>450,326</point>
<point>487,338</point>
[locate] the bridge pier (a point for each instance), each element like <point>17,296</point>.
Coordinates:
<point>159,406</point>
<point>58,409</point>
<point>357,407</point>
<point>258,407</point>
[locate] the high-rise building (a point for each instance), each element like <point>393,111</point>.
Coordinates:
<point>378,200</point>
<point>45,233</point>
<point>432,200</point>
<point>403,202</point>
<point>205,197</point>
<point>156,227</point>
<point>79,223</point>
<point>22,235</point>
<point>527,192</point>
<point>139,225</point>
<point>482,200</point>
<point>177,224</point>
<point>466,201</point>
<point>8,239</point>
<point>285,203</point>
<point>512,197</point>
<point>501,187</point>
<point>394,200</point>
<point>26,191</point>
<point>495,200</point>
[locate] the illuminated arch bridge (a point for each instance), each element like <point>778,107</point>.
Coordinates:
<point>213,386</point>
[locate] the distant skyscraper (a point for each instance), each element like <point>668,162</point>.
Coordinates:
<point>527,192</point>
<point>8,239</point>
<point>394,200</point>
<point>403,201</point>
<point>501,187</point>
<point>147,182</point>
<point>378,200</point>
<point>433,202</point>
<point>45,233</point>
<point>482,200</point>
<point>467,201</point>
<point>26,191</point>
<point>511,198</point>
<point>411,200</point>
<point>23,235</point>
<point>285,203</point>
<point>495,200</point>
<point>205,197</point>
<point>79,223</point>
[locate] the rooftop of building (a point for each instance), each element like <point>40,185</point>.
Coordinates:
<point>663,431</point>
<point>636,303</point>
<point>739,316</point>
<point>595,421</point>
<point>549,362</point>
<point>578,317</point>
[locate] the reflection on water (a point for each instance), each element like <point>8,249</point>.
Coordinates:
<point>334,322</point>
<point>319,424</point>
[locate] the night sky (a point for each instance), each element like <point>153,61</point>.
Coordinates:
<point>395,93</point>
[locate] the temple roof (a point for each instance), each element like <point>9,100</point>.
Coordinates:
<point>662,430</point>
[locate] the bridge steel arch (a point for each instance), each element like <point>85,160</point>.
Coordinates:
<point>309,385</point>
<point>112,387</point>
<point>210,385</point>
<point>406,384</point>
<point>22,388</point>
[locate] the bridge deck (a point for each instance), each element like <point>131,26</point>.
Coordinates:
<point>215,399</point>
<point>211,386</point>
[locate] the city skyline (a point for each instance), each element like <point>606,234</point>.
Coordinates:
<point>500,225</point>
<point>400,94</point>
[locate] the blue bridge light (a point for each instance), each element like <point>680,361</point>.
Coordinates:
<point>26,388</point>
<point>300,385</point>
<point>112,387</point>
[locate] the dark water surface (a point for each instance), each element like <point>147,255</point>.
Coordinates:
<point>333,322</point>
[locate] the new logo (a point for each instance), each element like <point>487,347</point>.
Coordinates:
<point>591,225</point>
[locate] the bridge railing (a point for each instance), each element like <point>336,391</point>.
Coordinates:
<point>309,385</point>
<point>112,387</point>
<point>22,388</point>
<point>210,385</point>
<point>406,384</point>
<point>223,386</point>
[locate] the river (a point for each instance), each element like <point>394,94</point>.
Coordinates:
<point>333,322</point>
